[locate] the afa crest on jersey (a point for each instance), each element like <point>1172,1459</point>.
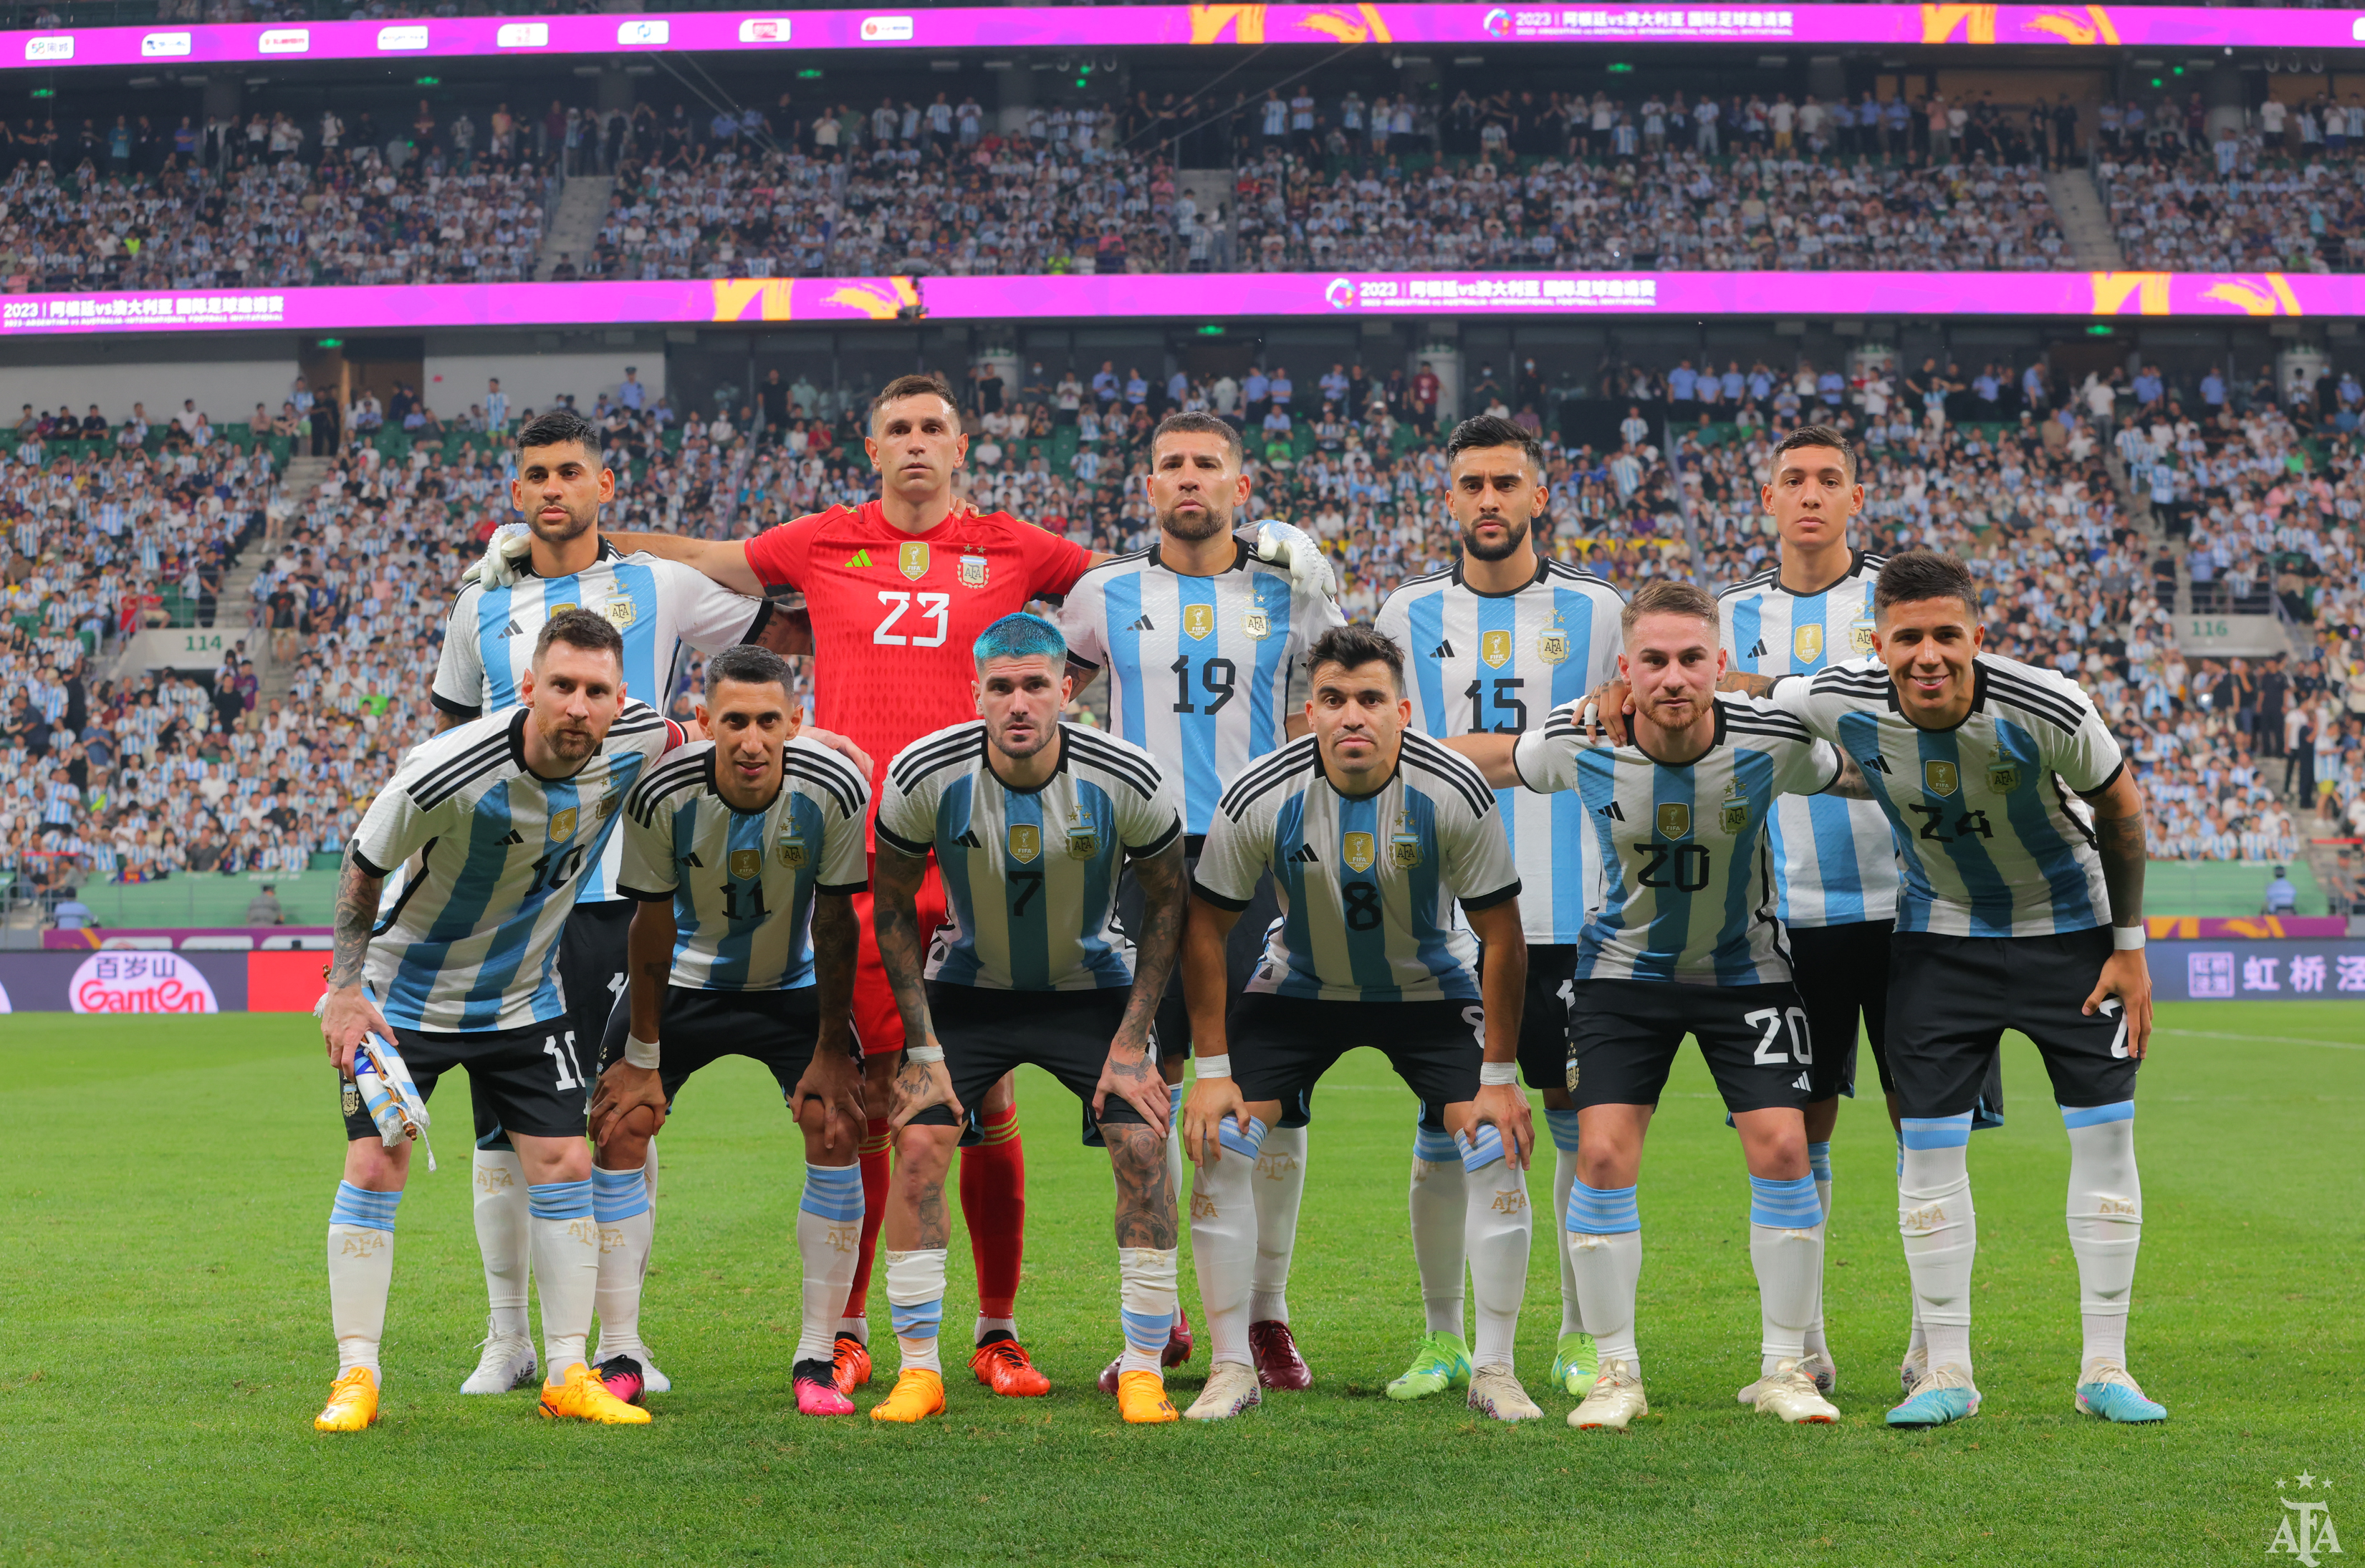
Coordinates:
<point>562,825</point>
<point>1675,820</point>
<point>912,558</point>
<point>607,806</point>
<point>620,612</point>
<point>1083,841</point>
<point>1732,817</point>
<point>1860,636</point>
<point>1026,842</point>
<point>1495,647</point>
<point>1939,778</point>
<point>1552,647</point>
<point>1807,641</point>
<point>971,571</point>
<point>1358,850</point>
<point>747,863</point>
<point>1404,845</point>
<point>790,848</point>
<point>1198,619</point>
<point>2003,775</point>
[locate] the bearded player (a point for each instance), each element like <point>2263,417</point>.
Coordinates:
<point>899,589</point>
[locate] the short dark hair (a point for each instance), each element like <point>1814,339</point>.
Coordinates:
<point>1353,648</point>
<point>1196,424</point>
<point>557,428</point>
<point>919,384</point>
<point>1911,575</point>
<point>1816,435</point>
<point>1667,596</point>
<point>580,629</point>
<point>750,663</point>
<point>1485,430</point>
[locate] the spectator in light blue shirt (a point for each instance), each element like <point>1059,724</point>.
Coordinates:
<point>1279,387</point>
<point>1255,388</point>
<point>2212,388</point>
<point>1136,390</point>
<point>1681,382</point>
<point>1732,383</point>
<point>2282,897</point>
<point>2147,387</point>
<point>631,394</point>
<point>1830,386</point>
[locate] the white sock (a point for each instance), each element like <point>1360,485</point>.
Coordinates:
<point>1916,1337</point>
<point>1563,1135</point>
<point>993,1326</point>
<point>1146,1294</point>
<point>1440,1206</point>
<point>1223,1240</point>
<point>361,1271</point>
<point>1497,1222</point>
<point>1174,1092</point>
<point>1786,1248</point>
<point>566,1262</point>
<point>2105,1224</point>
<point>501,1236</point>
<point>1819,1165</point>
<point>1941,1231</point>
<point>829,1233</point>
<point>916,1301</point>
<point>1280,1187</point>
<point>619,1204</point>
<point>1605,1249</point>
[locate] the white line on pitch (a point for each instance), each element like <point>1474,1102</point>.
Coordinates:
<point>2275,1040</point>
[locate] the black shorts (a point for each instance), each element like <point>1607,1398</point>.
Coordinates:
<point>1842,973</point>
<point>1623,1035</point>
<point>987,1033</point>
<point>1243,950</point>
<point>1280,1046</point>
<point>1951,998</point>
<point>591,963</point>
<point>531,1079</point>
<point>778,1029</point>
<point>1544,1022</point>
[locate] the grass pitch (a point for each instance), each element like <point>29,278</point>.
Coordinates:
<point>164,1344</point>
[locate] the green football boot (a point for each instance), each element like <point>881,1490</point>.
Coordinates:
<point>1575,1363</point>
<point>1442,1362</point>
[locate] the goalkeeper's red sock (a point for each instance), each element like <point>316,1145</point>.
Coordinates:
<point>875,1145</point>
<point>993,1202</point>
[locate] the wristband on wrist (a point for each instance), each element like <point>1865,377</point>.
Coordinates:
<point>639,1052</point>
<point>2126,939</point>
<point>1493,1074</point>
<point>924,1053</point>
<point>1213,1067</point>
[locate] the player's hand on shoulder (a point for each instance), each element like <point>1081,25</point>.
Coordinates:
<point>838,743</point>
<point>1212,1102</point>
<point>1286,544</point>
<point>622,1090</point>
<point>1601,716</point>
<point>504,557</point>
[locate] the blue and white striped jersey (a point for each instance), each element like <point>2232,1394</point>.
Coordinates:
<point>470,942</point>
<point>1496,664</point>
<point>1030,875</point>
<point>657,605</point>
<point>1204,672</point>
<point>1367,883</point>
<point>1834,863</point>
<point>1691,889</point>
<point>1988,842</point>
<point>742,883</point>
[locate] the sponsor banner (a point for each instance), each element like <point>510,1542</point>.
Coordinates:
<point>2257,969</point>
<point>2171,927</point>
<point>135,981</point>
<point>192,938</point>
<point>1122,295</point>
<point>1085,26</point>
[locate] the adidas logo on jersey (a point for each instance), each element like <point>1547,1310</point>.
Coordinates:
<point>1142,626</point>
<point>1879,764</point>
<point>1612,811</point>
<point>859,560</point>
<point>968,840</point>
<point>691,860</point>
<point>514,838</point>
<point>1304,855</point>
<point>1442,651</point>
<point>511,629</point>
<point>1759,651</point>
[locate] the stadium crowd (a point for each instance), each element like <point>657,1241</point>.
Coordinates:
<point>2071,512</point>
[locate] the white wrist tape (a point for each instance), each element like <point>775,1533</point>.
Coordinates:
<point>639,1052</point>
<point>1504,1073</point>
<point>2126,939</point>
<point>924,1053</point>
<point>1213,1067</point>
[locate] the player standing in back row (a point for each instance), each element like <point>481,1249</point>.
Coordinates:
<point>1204,648</point>
<point>1494,644</point>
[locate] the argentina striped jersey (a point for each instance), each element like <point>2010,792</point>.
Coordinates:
<point>1204,672</point>
<point>1691,889</point>
<point>1478,663</point>
<point>469,942</point>
<point>657,605</point>
<point>1030,875</point>
<point>1367,883</point>
<point>742,883</point>
<point>1988,842</point>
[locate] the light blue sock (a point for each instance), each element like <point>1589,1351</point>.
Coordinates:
<point>618,1195</point>
<point>1563,1124</point>
<point>360,1206</point>
<point>559,1199</point>
<point>1786,1204</point>
<point>1601,1211</point>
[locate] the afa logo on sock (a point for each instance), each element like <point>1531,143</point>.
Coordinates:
<point>2305,1530</point>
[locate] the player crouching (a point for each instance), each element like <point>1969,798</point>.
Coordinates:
<point>744,852</point>
<point>1031,821</point>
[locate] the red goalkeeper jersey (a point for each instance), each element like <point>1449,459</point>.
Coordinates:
<point>894,614</point>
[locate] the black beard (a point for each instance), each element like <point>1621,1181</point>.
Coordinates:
<point>1207,525</point>
<point>1516,535</point>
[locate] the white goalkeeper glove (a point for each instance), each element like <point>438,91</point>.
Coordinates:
<point>1286,544</point>
<point>389,1096</point>
<point>505,555</point>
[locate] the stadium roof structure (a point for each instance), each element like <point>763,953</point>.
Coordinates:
<point>715,301</point>
<point>1376,21</point>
